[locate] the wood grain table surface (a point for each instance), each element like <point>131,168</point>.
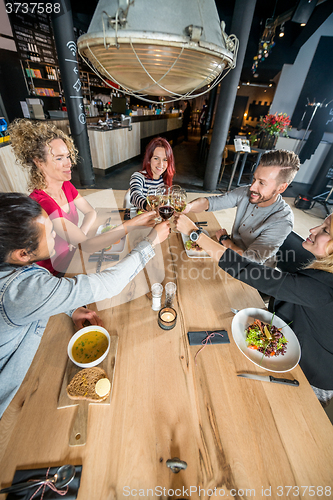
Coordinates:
<point>240,438</point>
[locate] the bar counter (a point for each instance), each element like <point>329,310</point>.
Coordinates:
<point>108,147</point>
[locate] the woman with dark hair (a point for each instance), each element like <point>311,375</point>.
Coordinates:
<point>48,154</point>
<point>158,170</point>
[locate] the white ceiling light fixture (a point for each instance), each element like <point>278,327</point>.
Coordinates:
<point>159,48</point>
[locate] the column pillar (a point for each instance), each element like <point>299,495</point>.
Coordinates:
<point>70,80</point>
<point>240,26</point>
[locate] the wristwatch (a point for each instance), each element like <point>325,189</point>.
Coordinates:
<point>194,235</point>
<point>224,237</point>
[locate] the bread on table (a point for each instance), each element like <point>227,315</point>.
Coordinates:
<point>85,385</point>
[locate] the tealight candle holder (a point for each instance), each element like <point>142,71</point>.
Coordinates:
<point>167,318</point>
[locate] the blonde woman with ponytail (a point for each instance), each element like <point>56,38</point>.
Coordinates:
<point>304,298</point>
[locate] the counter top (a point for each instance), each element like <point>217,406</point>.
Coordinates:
<point>135,118</point>
<point>99,128</point>
<point>144,118</point>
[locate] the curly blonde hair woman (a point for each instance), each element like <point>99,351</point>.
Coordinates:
<point>48,153</point>
<point>30,141</point>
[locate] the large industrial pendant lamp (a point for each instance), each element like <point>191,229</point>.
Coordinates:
<point>158,47</point>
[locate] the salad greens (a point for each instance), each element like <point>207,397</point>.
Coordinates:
<point>192,245</point>
<point>266,338</point>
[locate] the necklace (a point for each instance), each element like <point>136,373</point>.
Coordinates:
<point>61,200</point>
<point>59,196</point>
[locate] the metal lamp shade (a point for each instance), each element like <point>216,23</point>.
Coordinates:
<point>185,50</point>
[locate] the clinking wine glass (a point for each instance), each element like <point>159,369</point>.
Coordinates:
<point>166,209</point>
<point>178,200</point>
<point>153,201</point>
<point>174,188</point>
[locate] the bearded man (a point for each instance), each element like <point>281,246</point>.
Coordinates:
<point>263,219</point>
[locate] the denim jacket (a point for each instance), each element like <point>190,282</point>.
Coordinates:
<point>29,295</point>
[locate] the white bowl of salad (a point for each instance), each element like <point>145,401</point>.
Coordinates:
<point>266,340</point>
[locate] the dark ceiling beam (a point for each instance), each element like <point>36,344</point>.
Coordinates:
<point>318,17</point>
<point>286,16</point>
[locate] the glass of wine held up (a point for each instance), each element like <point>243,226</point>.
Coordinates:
<point>153,201</point>
<point>178,200</point>
<point>166,209</point>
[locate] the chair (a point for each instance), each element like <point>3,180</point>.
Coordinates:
<point>204,146</point>
<point>127,202</point>
<point>225,162</point>
<point>291,256</point>
<point>251,162</point>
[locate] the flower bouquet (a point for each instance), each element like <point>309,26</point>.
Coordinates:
<point>270,127</point>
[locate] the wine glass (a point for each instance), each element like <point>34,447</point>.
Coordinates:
<point>165,208</point>
<point>174,188</point>
<point>153,200</point>
<point>178,200</point>
<point>160,191</point>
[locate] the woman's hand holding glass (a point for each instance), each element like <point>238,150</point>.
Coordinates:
<point>159,233</point>
<point>146,219</point>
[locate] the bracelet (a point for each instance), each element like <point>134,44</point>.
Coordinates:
<point>224,237</point>
<point>151,243</point>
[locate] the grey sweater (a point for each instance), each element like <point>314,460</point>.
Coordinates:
<point>259,231</point>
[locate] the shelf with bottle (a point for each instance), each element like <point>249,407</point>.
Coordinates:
<point>38,73</point>
<point>90,83</point>
<point>43,73</point>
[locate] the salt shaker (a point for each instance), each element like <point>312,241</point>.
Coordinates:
<point>170,292</point>
<point>156,291</point>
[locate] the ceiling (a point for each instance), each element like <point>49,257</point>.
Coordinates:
<point>285,49</point>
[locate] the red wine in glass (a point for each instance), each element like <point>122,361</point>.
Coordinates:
<point>166,211</point>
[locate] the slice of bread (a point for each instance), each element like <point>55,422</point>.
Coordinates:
<point>82,385</point>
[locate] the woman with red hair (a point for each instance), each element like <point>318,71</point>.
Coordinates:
<point>158,170</point>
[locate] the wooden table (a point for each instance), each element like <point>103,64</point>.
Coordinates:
<point>245,438</point>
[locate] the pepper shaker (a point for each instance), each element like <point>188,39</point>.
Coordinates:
<point>170,292</point>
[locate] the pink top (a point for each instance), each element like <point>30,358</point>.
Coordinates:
<point>62,257</point>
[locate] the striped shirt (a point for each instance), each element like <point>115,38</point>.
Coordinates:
<point>139,185</point>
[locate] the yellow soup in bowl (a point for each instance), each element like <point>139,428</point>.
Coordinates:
<point>89,346</point>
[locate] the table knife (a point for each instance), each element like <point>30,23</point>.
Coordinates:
<point>106,258</point>
<point>100,260</point>
<point>269,378</point>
